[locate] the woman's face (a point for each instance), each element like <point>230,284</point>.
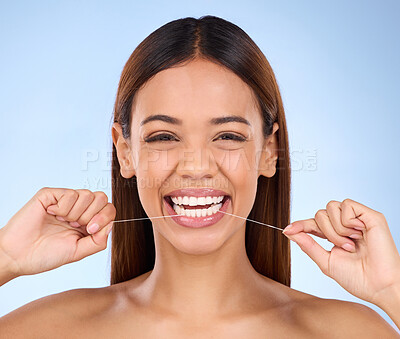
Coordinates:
<point>191,150</point>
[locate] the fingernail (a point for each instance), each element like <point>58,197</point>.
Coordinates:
<point>349,247</point>
<point>93,228</point>
<point>359,228</point>
<point>60,218</point>
<point>287,227</point>
<point>356,236</point>
<point>74,223</point>
<point>50,212</point>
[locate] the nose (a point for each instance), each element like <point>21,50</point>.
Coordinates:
<point>196,163</point>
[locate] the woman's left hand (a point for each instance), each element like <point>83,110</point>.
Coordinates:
<point>371,268</point>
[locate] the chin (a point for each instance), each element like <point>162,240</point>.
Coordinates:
<point>199,242</point>
<point>198,249</point>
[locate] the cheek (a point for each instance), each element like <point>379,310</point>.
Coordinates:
<point>154,164</point>
<point>237,163</point>
<point>151,173</point>
<point>240,167</point>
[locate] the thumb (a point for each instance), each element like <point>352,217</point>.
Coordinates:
<point>314,250</point>
<point>92,243</point>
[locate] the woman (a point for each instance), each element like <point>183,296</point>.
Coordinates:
<point>199,137</point>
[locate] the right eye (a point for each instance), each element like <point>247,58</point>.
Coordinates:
<point>161,137</point>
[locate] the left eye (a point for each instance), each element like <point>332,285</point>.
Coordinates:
<point>232,137</point>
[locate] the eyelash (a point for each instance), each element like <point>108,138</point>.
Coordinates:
<point>158,137</point>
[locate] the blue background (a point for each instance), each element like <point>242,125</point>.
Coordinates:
<point>337,65</point>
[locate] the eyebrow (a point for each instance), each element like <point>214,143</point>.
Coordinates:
<point>213,121</point>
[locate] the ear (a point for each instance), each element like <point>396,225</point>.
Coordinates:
<point>124,152</point>
<point>269,154</point>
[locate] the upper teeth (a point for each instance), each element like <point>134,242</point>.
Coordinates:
<point>195,201</point>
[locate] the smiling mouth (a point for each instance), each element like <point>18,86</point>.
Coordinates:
<point>197,207</point>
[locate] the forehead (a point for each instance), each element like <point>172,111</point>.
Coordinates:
<point>198,89</point>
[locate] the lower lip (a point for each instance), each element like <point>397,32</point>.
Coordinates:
<point>195,222</point>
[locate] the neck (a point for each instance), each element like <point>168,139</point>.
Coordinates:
<point>204,285</point>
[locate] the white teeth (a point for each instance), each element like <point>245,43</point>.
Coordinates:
<point>197,201</point>
<point>179,202</point>
<point>197,212</point>
<point>192,201</point>
<point>177,209</point>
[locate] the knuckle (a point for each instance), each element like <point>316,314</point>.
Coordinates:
<point>86,195</point>
<point>332,203</point>
<point>380,216</point>
<point>347,201</point>
<point>101,196</point>
<point>72,193</point>
<point>85,192</point>
<point>320,213</point>
<point>43,189</point>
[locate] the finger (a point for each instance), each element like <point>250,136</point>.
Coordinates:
<point>64,201</point>
<point>314,250</point>
<point>102,219</point>
<point>358,215</point>
<point>49,196</point>
<point>307,226</point>
<point>324,223</point>
<point>84,200</point>
<point>92,243</point>
<point>334,213</point>
<point>99,202</point>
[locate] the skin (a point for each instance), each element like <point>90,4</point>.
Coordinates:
<point>206,270</point>
<point>196,266</point>
<point>203,284</point>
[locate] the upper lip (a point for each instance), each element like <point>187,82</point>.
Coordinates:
<point>197,192</point>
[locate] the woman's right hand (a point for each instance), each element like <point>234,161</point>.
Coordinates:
<point>36,239</point>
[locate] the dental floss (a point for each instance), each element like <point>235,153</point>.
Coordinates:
<point>280,229</point>
<point>175,215</point>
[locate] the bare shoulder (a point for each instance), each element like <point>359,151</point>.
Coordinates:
<point>56,313</point>
<point>339,318</point>
<point>319,317</point>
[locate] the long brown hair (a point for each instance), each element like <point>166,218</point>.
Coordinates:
<point>222,42</point>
